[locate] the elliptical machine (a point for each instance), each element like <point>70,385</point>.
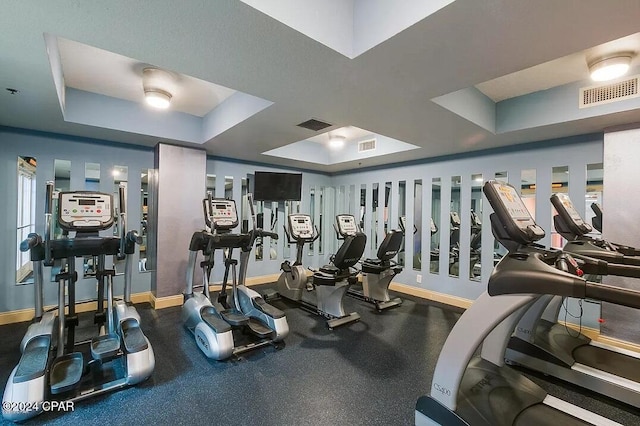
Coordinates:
<point>331,282</point>
<point>55,369</point>
<point>213,319</point>
<point>376,273</point>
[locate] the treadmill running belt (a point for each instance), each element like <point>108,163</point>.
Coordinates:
<point>541,414</point>
<point>612,362</point>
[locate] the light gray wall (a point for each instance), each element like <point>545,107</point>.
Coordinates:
<point>46,148</point>
<point>574,152</point>
<point>180,188</point>
<point>620,222</point>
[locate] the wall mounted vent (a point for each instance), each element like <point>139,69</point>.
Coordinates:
<point>606,93</point>
<point>368,145</point>
<point>315,125</point>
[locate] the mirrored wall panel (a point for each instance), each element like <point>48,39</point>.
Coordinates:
<point>559,184</point>
<point>211,185</point>
<point>144,220</point>
<point>498,250</point>
<point>375,200</point>
<point>434,264</point>
<point>417,224</point>
<point>593,196</point>
<point>120,176</point>
<point>454,227</point>
<point>402,200</point>
<point>475,241</point>
<point>26,215</point>
<point>61,183</point>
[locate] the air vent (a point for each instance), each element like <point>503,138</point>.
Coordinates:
<point>369,145</point>
<point>604,94</point>
<point>315,125</point>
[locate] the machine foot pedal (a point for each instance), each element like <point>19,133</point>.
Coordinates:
<point>106,346</point>
<point>347,319</point>
<point>259,329</point>
<point>132,336</point>
<point>266,308</point>
<point>208,316</point>
<point>66,372</point>
<point>234,317</point>
<point>33,362</point>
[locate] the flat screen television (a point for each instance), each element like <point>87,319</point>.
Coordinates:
<point>270,186</point>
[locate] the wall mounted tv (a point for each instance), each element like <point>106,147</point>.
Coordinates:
<point>269,186</point>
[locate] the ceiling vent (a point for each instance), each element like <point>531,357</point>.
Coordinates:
<point>315,125</point>
<point>368,145</point>
<point>606,93</point>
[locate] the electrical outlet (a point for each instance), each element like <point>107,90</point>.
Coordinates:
<point>418,278</point>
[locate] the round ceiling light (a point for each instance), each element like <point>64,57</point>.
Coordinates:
<point>336,142</point>
<point>608,68</point>
<point>157,85</point>
<point>157,98</point>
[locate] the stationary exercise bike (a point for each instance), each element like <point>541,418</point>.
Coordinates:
<point>331,282</point>
<point>212,318</point>
<point>53,366</point>
<point>376,273</point>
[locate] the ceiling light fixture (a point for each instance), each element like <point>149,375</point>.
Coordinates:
<point>336,142</point>
<point>157,85</point>
<point>610,67</point>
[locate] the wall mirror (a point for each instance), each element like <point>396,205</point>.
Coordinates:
<point>120,176</point>
<point>321,197</point>
<point>402,199</point>
<point>61,183</point>
<point>375,200</point>
<point>312,213</point>
<point>454,227</point>
<point>144,220</point>
<point>434,262</point>
<point>595,174</point>
<point>417,225</point>
<point>498,250</point>
<point>211,185</point>
<point>363,206</point>
<point>26,215</point>
<point>91,183</point>
<point>244,210</point>
<point>386,214</point>
<point>559,184</point>
<point>475,240</point>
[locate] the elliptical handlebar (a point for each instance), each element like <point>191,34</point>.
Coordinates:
<point>32,240</point>
<point>48,206</point>
<point>122,205</point>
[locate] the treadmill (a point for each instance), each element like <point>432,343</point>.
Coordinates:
<point>481,390</point>
<point>540,343</point>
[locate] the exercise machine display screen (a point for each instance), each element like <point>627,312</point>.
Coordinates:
<point>346,224</point>
<point>570,209</point>
<point>223,215</point>
<point>82,210</point>
<point>300,226</point>
<point>514,205</point>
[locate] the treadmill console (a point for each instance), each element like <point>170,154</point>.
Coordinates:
<point>222,213</point>
<point>512,213</point>
<point>403,225</point>
<point>569,214</point>
<point>455,219</point>
<point>346,224</point>
<point>301,226</point>
<point>85,211</point>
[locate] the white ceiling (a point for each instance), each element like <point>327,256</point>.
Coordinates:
<point>386,90</point>
<point>99,71</point>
